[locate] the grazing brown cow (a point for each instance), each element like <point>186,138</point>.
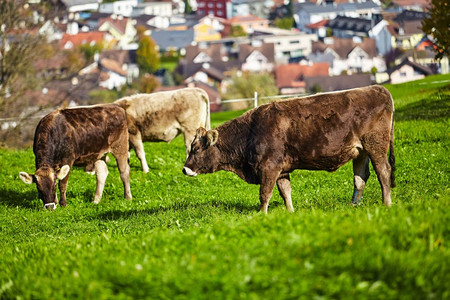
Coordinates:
<point>320,132</point>
<point>78,136</point>
<point>160,117</point>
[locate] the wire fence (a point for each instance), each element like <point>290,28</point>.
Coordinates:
<point>13,122</point>
<point>257,99</point>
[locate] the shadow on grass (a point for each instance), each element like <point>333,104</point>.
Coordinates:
<point>25,199</point>
<point>238,208</point>
<point>435,107</point>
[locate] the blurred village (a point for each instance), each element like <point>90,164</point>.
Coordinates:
<point>98,51</point>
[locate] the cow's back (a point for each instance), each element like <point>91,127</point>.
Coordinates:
<point>78,134</point>
<point>161,116</point>
<point>321,131</point>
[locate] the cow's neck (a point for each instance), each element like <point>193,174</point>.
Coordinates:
<point>232,143</point>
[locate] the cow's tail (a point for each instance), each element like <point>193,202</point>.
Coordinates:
<point>208,111</point>
<point>391,153</point>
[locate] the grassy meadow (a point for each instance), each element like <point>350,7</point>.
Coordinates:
<point>203,237</point>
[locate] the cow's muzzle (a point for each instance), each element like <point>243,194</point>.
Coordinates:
<point>50,206</point>
<point>189,172</point>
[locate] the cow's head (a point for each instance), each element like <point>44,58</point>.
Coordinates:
<point>46,179</point>
<point>204,155</point>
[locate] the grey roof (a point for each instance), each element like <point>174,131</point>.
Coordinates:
<point>173,38</point>
<point>350,24</point>
<point>69,3</point>
<point>339,8</point>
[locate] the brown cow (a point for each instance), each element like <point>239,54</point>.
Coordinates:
<point>320,132</point>
<point>160,117</point>
<point>78,136</point>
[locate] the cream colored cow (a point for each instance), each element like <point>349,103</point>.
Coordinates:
<point>160,117</point>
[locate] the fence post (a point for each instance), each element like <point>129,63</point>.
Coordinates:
<point>256,99</point>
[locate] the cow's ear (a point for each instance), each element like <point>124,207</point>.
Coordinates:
<point>27,178</point>
<point>200,132</point>
<point>211,137</point>
<point>63,172</point>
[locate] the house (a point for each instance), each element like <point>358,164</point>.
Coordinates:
<point>112,75</point>
<point>408,70</point>
<point>412,5</point>
<point>318,28</point>
<point>206,63</point>
<point>288,44</point>
<point>258,8</point>
<point>309,13</point>
<point>150,23</point>
<point>406,29</point>
<point>122,7</point>
<point>257,57</point>
<point>153,8</point>
<point>337,83</point>
<point>249,23</point>
<point>218,8</point>
<point>122,29</point>
<point>80,5</point>
<point>376,28</point>
<point>69,41</point>
<point>290,78</point>
<point>347,55</point>
<point>176,40</point>
<point>126,59</point>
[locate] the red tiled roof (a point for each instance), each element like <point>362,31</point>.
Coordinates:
<point>317,25</point>
<point>292,75</point>
<point>246,19</point>
<point>82,38</point>
<point>113,65</point>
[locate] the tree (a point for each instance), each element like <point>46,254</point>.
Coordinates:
<point>147,83</point>
<point>284,23</point>
<point>437,24</point>
<point>147,55</point>
<point>245,84</point>
<point>237,31</point>
<point>19,49</point>
<point>187,7</point>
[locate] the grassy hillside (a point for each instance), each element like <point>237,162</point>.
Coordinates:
<point>203,237</point>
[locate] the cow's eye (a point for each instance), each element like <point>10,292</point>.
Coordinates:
<point>195,149</point>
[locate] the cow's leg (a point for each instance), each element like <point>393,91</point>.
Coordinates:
<point>265,190</point>
<point>361,175</point>
<point>188,138</point>
<point>383,170</point>
<point>102,172</point>
<point>62,189</point>
<point>284,188</point>
<point>124,169</point>
<point>136,141</point>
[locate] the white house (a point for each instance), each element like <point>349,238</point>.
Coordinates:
<point>154,8</point>
<point>123,7</point>
<point>348,56</point>
<point>80,5</point>
<point>288,44</point>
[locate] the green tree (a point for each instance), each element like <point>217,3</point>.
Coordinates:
<point>245,84</point>
<point>237,31</point>
<point>437,24</point>
<point>147,55</point>
<point>147,83</point>
<point>284,23</point>
<point>187,7</point>
<point>90,50</point>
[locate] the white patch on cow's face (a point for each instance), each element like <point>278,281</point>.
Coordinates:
<point>189,172</point>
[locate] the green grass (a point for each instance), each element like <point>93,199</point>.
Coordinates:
<point>203,237</point>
